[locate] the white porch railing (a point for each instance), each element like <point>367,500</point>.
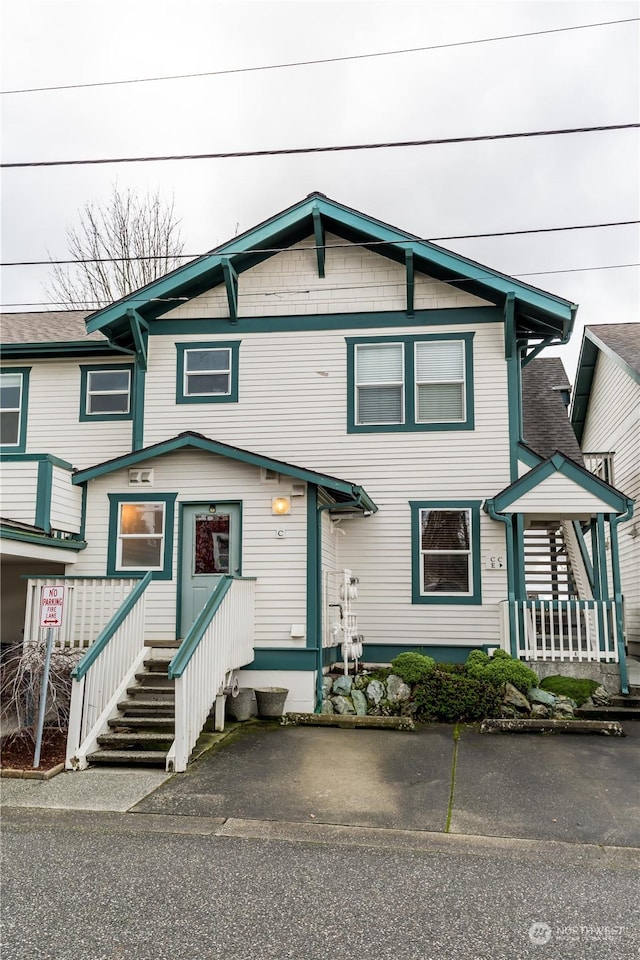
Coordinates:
<point>220,641</point>
<point>567,630</point>
<point>90,603</point>
<point>101,678</point>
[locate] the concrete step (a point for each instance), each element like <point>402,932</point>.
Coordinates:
<point>608,713</point>
<point>630,701</point>
<point>133,758</point>
<point>148,690</point>
<point>143,723</point>
<point>139,737</point>
<point>162,706</point>
<point>158,665</point>
<point>155,679</point>
<point>163,644</point>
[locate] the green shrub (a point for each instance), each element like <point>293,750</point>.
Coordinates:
<point>501,669</point>
<point>452,697</point>
<point>412,667</point>
<point>578,690</point>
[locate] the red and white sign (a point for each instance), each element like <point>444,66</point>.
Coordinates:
<point>52,605</point>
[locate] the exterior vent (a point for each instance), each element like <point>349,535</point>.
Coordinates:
<point>140,478</point>
<point>269,476</point>
<point>298,489</point>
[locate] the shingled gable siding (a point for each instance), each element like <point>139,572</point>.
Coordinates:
<point>356,280</point>
<point>197,477</point>
<point>54,422</point>
<point>613,424</point>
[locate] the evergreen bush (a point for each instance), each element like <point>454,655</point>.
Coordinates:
<point>412,667</point>
<point>452,697</point>
<point>500,669</point>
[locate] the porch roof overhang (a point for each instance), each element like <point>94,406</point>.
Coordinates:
<point>538,314</point>
<point>24,541</point>
<point>559,487</point>
<point>340,491</point>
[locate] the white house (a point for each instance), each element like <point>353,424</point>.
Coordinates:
<point>308,440</point>
<point>606,417</point>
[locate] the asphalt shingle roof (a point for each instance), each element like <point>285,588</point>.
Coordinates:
<point>622,338</point>
<point>46,326</point>
<point>546,425</point>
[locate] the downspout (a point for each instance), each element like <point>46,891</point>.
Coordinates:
<point>617,594</point>
<point>507,519</point>
<point>319,663</point>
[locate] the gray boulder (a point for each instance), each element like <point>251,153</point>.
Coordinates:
<point>601,697</point>
<point>359,702</point>
<point>397,689</point>
<point>327,707</point>
<point>514,698</point>
<point>343,705</point>
<point>375,692</point>
<point>342,686</point>
<point>536,695</point>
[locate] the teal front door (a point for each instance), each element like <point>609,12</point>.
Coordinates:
<point>210,548</point>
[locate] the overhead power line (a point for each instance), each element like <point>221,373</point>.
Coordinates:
<point>325,246</point>
<point>309,63</point>
<point>290,151</point>
<point>81,305</point>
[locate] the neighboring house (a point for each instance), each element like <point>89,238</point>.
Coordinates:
<point>304,445</point>
<point>606,418</point>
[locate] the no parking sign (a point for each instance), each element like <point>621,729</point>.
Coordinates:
<point>51,606</point>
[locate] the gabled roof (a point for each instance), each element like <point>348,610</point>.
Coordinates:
<point>538,314</point>
<point>621,343</point>
<point>546,425</point>
<point>341,491</point>
<point>558,487</point>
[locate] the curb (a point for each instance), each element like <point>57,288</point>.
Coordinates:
<point>12,774</point>
<point>607,728</point>
<point>347,720</point>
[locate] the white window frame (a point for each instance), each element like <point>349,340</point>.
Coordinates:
<point>213,372</point>
<point>107,393</point>
<point>121,537</point>
<point>381,383</point>
<point>19,409</point>
<point>434,383</point>
<point>447,553</point>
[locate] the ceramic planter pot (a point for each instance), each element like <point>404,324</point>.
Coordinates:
<point>239,707</point>
<point>271,701</point>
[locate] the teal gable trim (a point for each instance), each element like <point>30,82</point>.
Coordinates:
<point>616,500</point>
<point>105,636</point>
<point>591,345</point>
<point>85,370</point>
<point>527,456</point>
<point>410,424</point>
<point>115,499</point>
<point>233,346</point>
<point>37,458</point>
<point>198,442</point>
<point>609,352</point>
<point>43,495</point>
<point>453,599</point>
<point>20,446</point>
<point>296,323</point>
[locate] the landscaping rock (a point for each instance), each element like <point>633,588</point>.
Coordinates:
<point>359,702</point>
<point>374,692</point>
<point>536,695</point>
<point>564,708</point>
<point>327,683</point>
<point>343,705</point>
<point>327,707</point>
<point>361,681</point>
<point>397,689</point>
<point>514,698</point>
<point>539,711</point>
<point>342,686</point>
<point>601,697</point>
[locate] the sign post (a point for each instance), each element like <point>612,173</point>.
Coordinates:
<point>51,609</point>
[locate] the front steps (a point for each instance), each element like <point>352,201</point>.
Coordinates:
<point>143,731</point>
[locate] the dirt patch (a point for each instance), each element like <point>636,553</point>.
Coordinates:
<point>16,753</point>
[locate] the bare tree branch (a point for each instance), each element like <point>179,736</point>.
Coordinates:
<point>132,240</point>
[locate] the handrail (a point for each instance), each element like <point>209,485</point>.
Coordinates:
<point>105,636</point>
<point>190,643</point>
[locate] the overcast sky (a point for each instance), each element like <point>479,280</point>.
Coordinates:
<point>575,78</point>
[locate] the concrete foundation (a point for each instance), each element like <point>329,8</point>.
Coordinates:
<point>608,674</point>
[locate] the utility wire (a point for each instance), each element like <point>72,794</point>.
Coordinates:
<point>289,151</point>
<point>325,246</point>
<point>308,63</point>
<point>80,304</point>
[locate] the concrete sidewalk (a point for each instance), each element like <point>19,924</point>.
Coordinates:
<point>576,789</point>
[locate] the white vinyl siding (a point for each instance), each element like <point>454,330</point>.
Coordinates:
<point>380,383</point>
<point>440,381</point>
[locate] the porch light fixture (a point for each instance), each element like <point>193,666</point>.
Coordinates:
<point>280,506</point>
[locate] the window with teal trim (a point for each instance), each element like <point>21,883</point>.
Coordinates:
<point>141,535</point>
<point>14,386</point>
<point>422,382</point>
<point>446,552</point>
<point>207,372</point>
<point>105,392</point>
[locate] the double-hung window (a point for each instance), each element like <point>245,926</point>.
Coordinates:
<point>446,552</point>
<point>418,382</point>
<point>140,534</point>
<point>207,372</point>
<point>105,392</point>
<point>13,409</point>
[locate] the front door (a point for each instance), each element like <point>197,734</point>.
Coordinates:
<point>210,548</point>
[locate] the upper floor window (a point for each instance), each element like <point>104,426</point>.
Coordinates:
<point>105,392</point>
<point>207,372</point>
<point>446,552</point>
<point>14,384</point>
<point>410,383</point>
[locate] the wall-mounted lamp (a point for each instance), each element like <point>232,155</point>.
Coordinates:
<point>280,506</point>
